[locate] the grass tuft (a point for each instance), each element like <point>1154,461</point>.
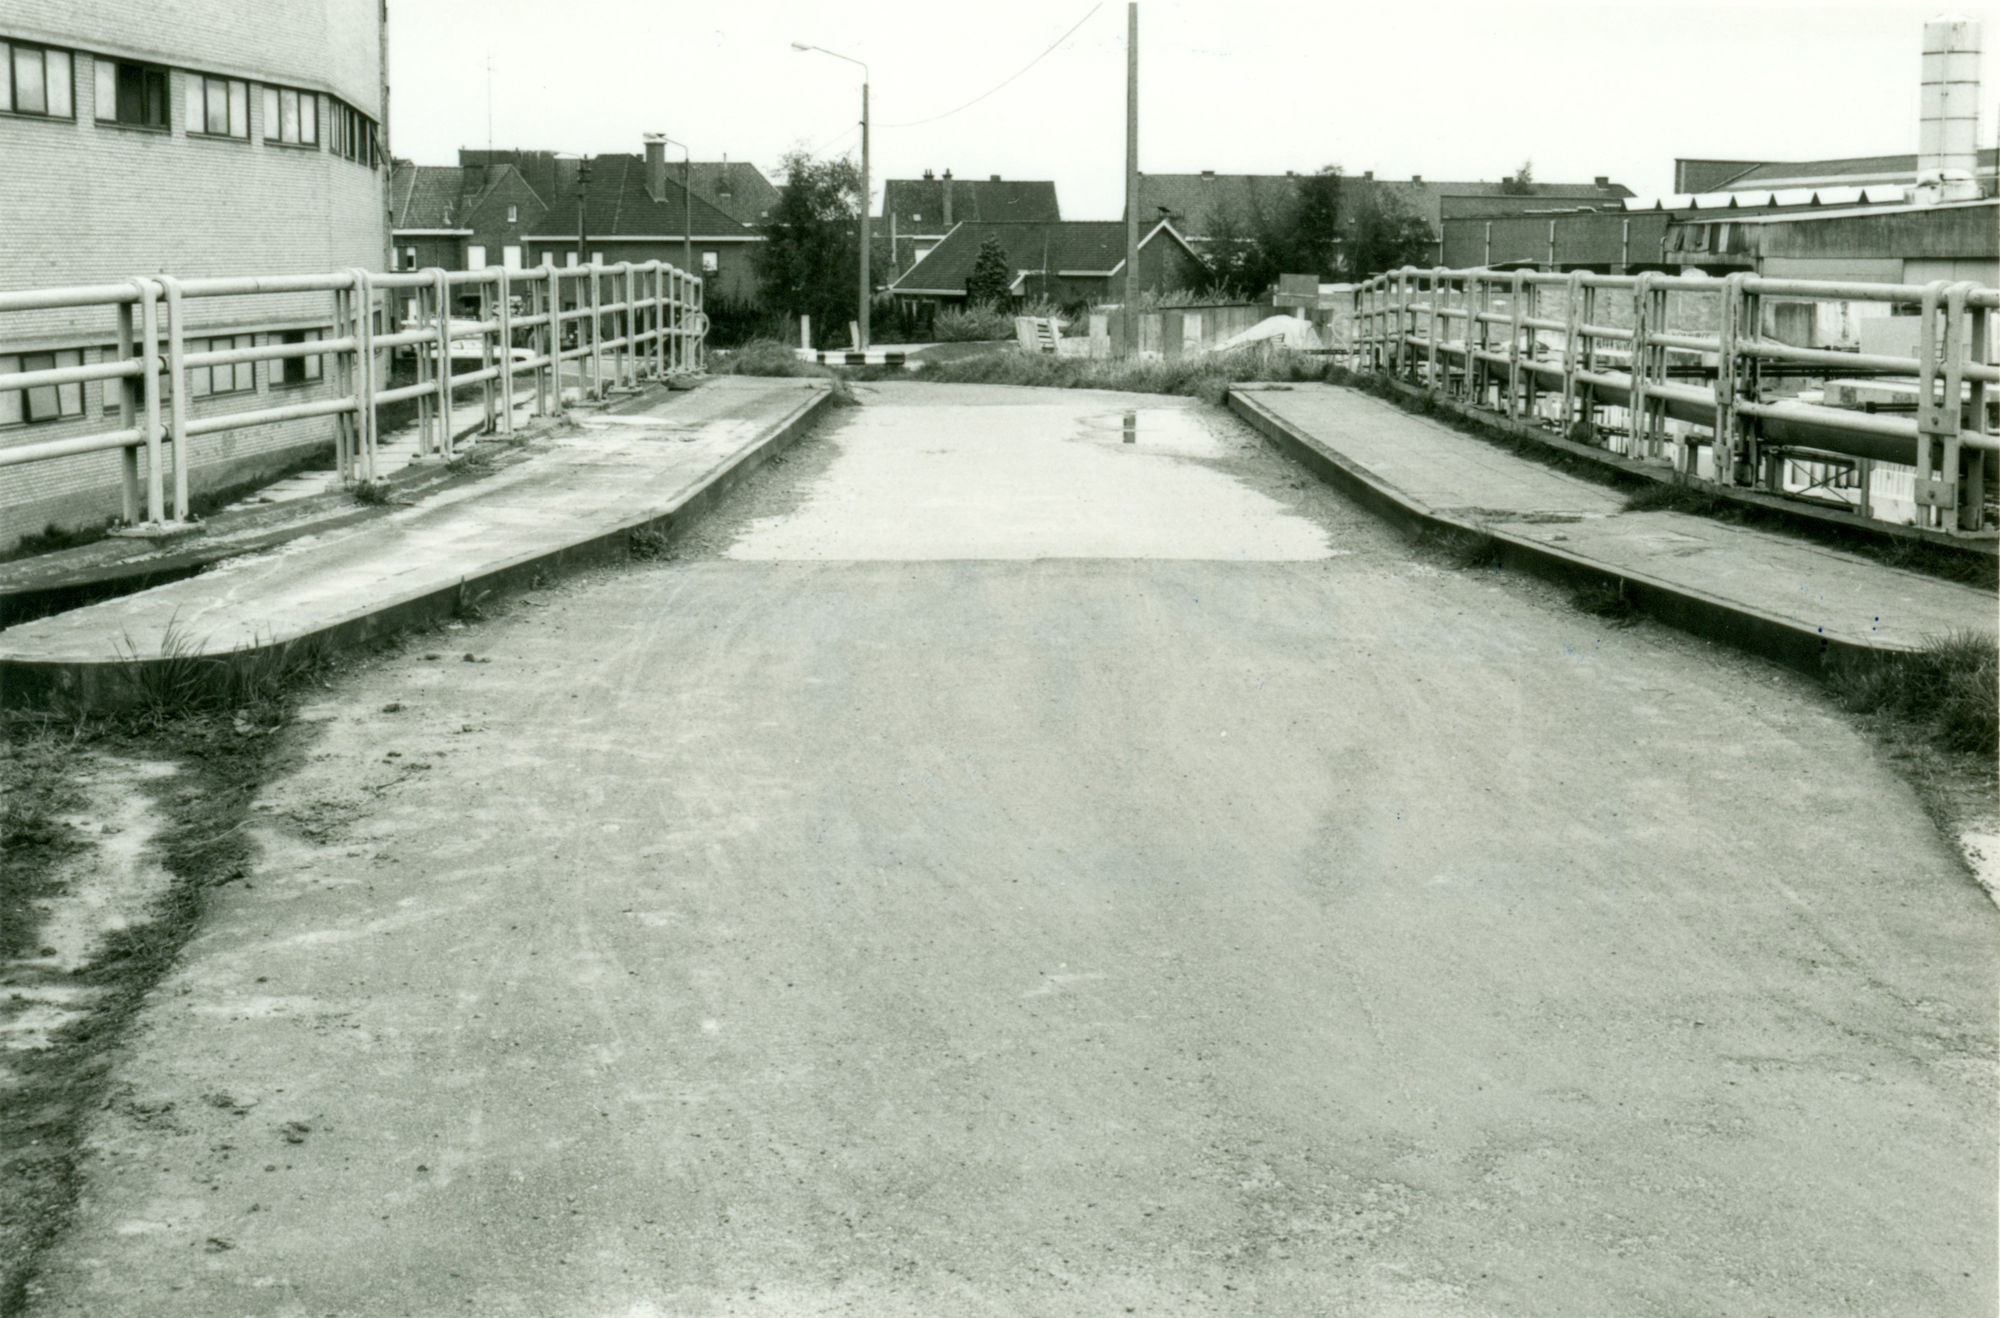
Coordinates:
<point>180,681</point>
<point>1605,602</point>
<point>1949,691</point>
<point>1455,547</point>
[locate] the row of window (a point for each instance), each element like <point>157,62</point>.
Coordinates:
<point>40,80</point>
<point>62,402</point>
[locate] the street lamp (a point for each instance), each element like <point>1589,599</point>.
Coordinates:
<point>800,45</point>
<point>687,203</point>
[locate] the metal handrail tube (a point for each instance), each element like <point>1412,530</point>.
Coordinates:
<point>1606,332</point>
<point>243,285</point>
<point>17,454</point>
<point>1862,423</point>
<point>113,370</point>
<point>82,295</point>
<point>400,339</point>
<point>209,425</point>
<point>1687,342</point>
<point>402,391</point>
<point>1832,290</point>
<point>261,352</point>
<point>475,377</point>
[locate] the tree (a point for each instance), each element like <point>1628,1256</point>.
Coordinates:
<point>991,276</point>
<point>1523,181</point>
<point>1385,234</point>
<point>810,260</point>
<point>1295,232</point>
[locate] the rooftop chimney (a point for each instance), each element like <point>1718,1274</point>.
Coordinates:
<point>1947,133</point>
<point>1601,181</point>
<point>656,165</point>
<point>928,176</point>
<point>1416,178</point>
<point>947,200</point>
<point>1208,173</point>
<point>1368,174</point>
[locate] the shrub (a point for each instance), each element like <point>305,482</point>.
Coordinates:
<point>1949,690</point>
<point>980,321</point>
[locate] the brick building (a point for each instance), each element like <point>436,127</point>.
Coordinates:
<point>635,208</point>
<point>918,212</point>
<point>1067,261</point>
<point>193,138</point>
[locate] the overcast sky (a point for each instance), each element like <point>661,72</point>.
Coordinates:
<point>1446,91</point>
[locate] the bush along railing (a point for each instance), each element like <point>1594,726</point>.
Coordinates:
<point>609,325</point>
<point>1690,371</point>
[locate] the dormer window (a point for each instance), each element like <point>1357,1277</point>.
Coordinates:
<point>513,214</point>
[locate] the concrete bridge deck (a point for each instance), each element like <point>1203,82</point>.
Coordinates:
<point>995,869</point>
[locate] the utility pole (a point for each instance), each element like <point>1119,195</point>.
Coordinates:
<point>582,200</point>
<point>861,323</point>
<point>865,289</point>
<point>687,204</point>
<point>1132,178</point>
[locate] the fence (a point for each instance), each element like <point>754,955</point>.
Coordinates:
<point>650,325</point>
<point>1691,370</point>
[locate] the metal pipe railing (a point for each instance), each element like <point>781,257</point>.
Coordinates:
<point>652,327</point>
<point>1498,340</point>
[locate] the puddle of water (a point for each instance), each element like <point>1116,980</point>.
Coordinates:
<point>1032,480</point>
<point>1175,432</point>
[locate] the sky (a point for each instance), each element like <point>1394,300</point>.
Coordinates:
<point>1448,91</point>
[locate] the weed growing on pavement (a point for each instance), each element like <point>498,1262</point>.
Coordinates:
<point>1607,602</point>
<point>1948,692</point>
<point>1456,547</point>
<point>374,494</point>
<point>649,544</point>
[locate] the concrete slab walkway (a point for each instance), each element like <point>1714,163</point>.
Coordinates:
<point>1791,599</point>
<point>615,474</point>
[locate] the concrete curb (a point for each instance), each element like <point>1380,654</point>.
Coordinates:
<point>1711,617</point>
<point>114,682</point>
<point>1812,520</point>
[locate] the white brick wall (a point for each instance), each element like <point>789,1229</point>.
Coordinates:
<point>89,202</point>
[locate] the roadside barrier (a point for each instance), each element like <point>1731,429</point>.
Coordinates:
<point>1701,352</point>
<point>617,324</point>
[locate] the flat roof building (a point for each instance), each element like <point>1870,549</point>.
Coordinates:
<point>192,138</point>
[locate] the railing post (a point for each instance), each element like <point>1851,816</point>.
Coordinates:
<point>1940,390</point>
<point>1478,292</point>
<point>555,339</point>
<point>1572,403</point>
<point>149,383</point>
<point>1434,332</point>
<point>489,422</point>
<point>1972,493</point>
<point>128,457</point>
<point>698,323</point>
<point>441,296</point>
<point>1730,446</point>
<point>1639,407</point>
<point>596,277</point>
<point>660,319</point>
<point>1517,295</point>
<point>505,350</point>
<point>177,374</point>
<point>426,369</point>
<point>364,370</point>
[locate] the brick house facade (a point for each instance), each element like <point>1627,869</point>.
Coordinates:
<point>188,137</point>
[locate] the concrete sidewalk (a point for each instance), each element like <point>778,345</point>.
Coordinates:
<point>1792,600</point>
<point>615,473</point>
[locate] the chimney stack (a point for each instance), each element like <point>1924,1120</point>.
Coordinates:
<point>947,200</point>
<point>1601,181</point>
<point>928,176</point>
<point>656,165</point>
<point>1947,132</point>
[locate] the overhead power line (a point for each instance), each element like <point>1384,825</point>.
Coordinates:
<point>912,123</point>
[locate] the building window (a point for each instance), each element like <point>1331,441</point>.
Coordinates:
<point>235,378</point>
<point>36,80</point>
<point>44,402</point>
<point>510,257</point>
<point>475,257</point>
<point>352,134</point>
<point>134,94</point>
<point>569,259</point>
<point>297,370</point>
<point>217,107</point>
<point>409,258</point>
<point>710,262</point>
<point>291,116</point>
<point>513,215</point>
